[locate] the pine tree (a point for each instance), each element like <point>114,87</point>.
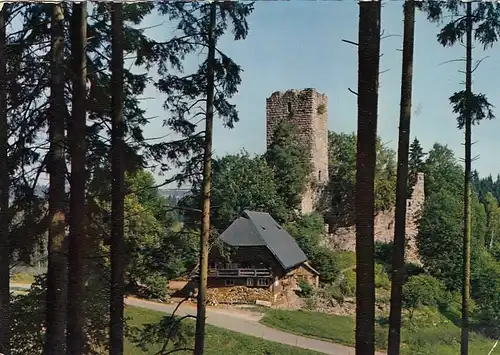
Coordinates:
<point>471,108</point>
<point>77,145</point>
<point>368,82</point>
<point>398,254</point>
<point>5,255</point>
<point>199,346</point>
<point>117,193</point>
<point>415,164</point>
<point>57,246</point>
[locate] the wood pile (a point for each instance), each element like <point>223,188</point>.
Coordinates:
<point>238,295</point>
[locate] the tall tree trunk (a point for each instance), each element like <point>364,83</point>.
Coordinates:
<point>4,195</point>
<point>398,254</point>
<point>77,143</point>
<point>368,73</point>
<point>207,182</point>
<point>464,341</point>
<point>117,193</point>
<point>57,247</point>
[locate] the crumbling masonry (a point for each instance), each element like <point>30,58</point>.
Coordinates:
<point>308,110</point>
<point>345,238</point>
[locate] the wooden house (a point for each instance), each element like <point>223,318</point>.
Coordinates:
<point>255,251</point>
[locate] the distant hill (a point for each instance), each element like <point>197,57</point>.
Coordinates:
<point>174,194</point>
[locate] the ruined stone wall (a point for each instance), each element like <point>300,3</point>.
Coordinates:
<point>345,238</point>
<point>308,110</point>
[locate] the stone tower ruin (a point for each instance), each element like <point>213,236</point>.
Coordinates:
<point>308,110</point>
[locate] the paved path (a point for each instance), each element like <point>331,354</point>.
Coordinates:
<point>242,322</point>
<point>248,324</point>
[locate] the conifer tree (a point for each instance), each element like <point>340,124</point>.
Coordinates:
<point>77,139</point>
<point>5,254</point>
<point>398,253</point>
<point>368,83</point>
<point>57,246</point>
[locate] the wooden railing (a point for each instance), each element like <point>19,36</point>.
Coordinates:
<point>216,272</point>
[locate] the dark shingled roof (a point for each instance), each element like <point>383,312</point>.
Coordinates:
<point>260,229</point>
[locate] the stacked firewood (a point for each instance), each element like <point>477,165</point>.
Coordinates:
<point>238,295</point>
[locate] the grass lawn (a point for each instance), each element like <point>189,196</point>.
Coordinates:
<point>218,341</point>
<point>429,333</point>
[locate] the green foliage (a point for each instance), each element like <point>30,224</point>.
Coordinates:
<point>332,292</point>
<point>493,219</point>
<point>415,164</point>
<point>381,277</point>
<point>185,97</point>
<point>338,201</point>
<point>243,182</point>
<point>383,253</point>
<point>439,238</point>
<point>485,17</point>
<point>346,280</point>
<point>476,106</point>
<point>423,290</point>
<point>385,178</point>
<point>339,195</point>
<point>291,162</point>
<point>345,259</point>
<point>308,231</point>
<point>325,262</point>
<point>157,249</point>
<point>442,172</point>
<point>28,316</point>
<point>485,285</point>
<point>441,226</point>
<point>305,289</point>
<point>348,283</point>
<point>239,182</point>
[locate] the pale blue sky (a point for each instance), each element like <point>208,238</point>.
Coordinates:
<point>297,44</point>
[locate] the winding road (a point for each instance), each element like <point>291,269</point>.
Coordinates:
<point>240,322</point>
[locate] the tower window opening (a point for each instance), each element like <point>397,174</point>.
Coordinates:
<point>289,106</point>
<point>319,176</point>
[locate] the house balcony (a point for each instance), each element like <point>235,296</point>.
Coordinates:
<point>239,272</point>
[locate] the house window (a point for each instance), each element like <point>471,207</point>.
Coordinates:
<point>249,282</point>
<point>229,282</point>
<point>262,282</point>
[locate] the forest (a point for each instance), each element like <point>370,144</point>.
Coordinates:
<point>78,194</point>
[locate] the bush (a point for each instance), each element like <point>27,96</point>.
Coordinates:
<point>383,252</point>
<point>28,317</point>
<point>324,260</point>
<point>333,292</point>
<point>348,283</point>
<point>305,289</point>
<point>423,290</point>
<point>344,259</point>
<point>381,277</point>
<point>413,270</point>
